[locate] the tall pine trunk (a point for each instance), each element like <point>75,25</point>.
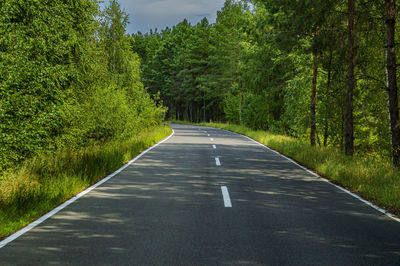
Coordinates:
<point>349,127</point>
<point>328,87</point>
<point>204,106</point>
<point>390,21</point>
<point>313,95</point>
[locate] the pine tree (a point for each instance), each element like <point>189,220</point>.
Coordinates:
<point>390,21</point>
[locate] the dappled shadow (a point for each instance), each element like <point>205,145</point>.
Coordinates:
<point>167,209</point>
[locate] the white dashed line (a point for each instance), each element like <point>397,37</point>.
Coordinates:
<point>214,147</point>
<point>217,162</point>
<point>225,195</point>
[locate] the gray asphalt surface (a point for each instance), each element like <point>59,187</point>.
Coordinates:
<point>167,209</point>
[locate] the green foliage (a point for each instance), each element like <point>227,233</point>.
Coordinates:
<point>258,115</point>
<point>232,107</point>
<point>296,98</point>
<point>39,50</point>
<point>66,79</point>
<point>254,67</point>
<point>112,34</point>
<point>191,67</point>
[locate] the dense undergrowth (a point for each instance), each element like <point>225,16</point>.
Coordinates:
<point>44,182</point>
<point>374,179</point>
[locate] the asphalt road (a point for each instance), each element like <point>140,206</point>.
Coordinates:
<point>168,208</point>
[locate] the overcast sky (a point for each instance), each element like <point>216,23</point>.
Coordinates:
<point>149,14</point>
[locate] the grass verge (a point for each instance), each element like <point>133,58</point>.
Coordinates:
<point>45,182</point>
<point>375,180</point>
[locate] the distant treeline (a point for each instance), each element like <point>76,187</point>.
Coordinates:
<point>68,78</point>
<point>323,71</point>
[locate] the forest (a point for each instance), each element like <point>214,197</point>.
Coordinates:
<point>320,71</point>
<point>68,79</point>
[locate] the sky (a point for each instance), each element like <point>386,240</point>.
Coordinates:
<point>150,14</point>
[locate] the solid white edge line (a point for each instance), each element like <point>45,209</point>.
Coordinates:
<point>217,162</point>
<point>383,211</point>
<point>225,196</point>
<point>74,198</point>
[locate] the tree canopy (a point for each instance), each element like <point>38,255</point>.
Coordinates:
<point>68,78</point>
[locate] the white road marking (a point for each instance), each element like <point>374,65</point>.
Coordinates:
<point>212,139</point>
<point>217,162</point>
<point>71,200</point>
<point>225,195</point>
<point>383,211</point>
<point>214,147</point>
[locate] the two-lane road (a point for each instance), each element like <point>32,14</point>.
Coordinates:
<point>211,197</point>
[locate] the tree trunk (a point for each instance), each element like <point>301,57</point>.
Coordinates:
<point>191,112</point>
<point>342,113</point>
<point>326,132</point>
<point>204,106</point>
<point>169,113</point>
<point>313,99</point>
<point>390,21</point>
<point>349,127</point>
<point>186,113</point>
<point>328,87</point>
<point>387,88</point>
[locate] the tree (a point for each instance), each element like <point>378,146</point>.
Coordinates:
<point>113,22</point>
<point>228,46</point>
<point>305,19</point>
<point>349,129</point>
<point>41,54</point>
<point>390,21</point>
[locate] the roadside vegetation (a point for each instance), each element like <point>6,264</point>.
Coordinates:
<point>45,181</point>
<point>373,179</point>
<point>72,105</point>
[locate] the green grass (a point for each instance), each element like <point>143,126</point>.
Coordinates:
<point>373,179</point>
<point>45,182</point>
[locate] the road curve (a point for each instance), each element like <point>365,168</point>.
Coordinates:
<point>211,197</point>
